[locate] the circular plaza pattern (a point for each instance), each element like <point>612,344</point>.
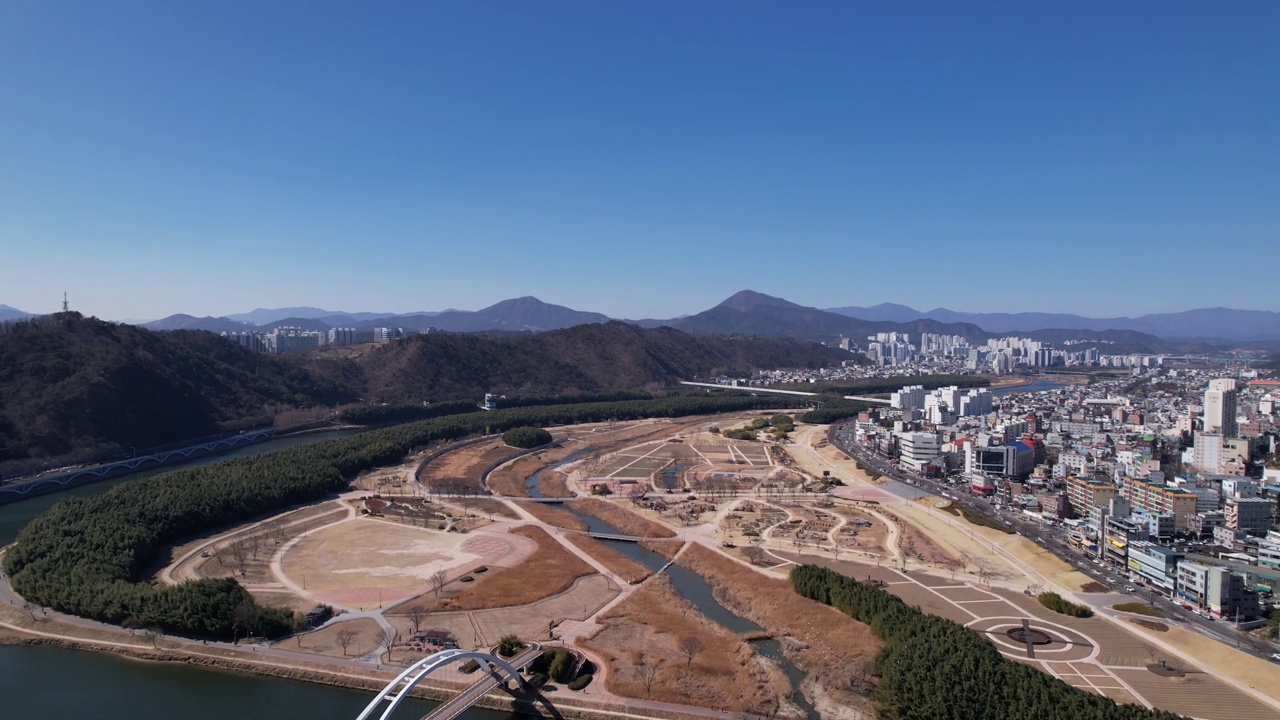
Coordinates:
<point>1052,641</point>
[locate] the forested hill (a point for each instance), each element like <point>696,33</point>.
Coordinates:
<point>586,358</point>
<point>80,388</point>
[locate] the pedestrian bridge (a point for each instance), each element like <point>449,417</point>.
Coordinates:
<point>400,688</point>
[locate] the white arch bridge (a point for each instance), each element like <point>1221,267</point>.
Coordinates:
<point>99,472</point>
<point>400,688</point>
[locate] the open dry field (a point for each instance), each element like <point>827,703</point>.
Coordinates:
<point>836,650</point>
<point>548,571</point>
<point>459,470</point>
<point>627,522</point>
<point>646,630</point>
<point>364,563</point>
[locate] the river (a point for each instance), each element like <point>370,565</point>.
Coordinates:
<point>1037,386</point>
<point>692,587</point>
<point>48,682</point>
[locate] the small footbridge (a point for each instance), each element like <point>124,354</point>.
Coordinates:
<point>491,677</point>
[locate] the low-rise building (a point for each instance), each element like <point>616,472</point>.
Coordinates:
<point>1252,515</point>
<point>1154,566</point>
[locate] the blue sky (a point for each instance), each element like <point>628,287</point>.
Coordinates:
<point>640,159</point>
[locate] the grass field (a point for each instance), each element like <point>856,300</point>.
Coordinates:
<point>460,469</point>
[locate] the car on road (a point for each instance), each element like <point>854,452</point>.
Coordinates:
<point>1275,656</point>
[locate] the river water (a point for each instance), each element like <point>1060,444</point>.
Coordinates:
<point>47,682</point>
<point>1037,386</point>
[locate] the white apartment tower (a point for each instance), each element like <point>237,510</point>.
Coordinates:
<point>1220,408</point>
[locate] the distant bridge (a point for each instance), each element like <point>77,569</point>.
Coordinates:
<point>39,486</point>
<point>775,391</point>
<point>397,690</point>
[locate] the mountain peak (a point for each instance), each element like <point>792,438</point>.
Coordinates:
<point>748,300</point>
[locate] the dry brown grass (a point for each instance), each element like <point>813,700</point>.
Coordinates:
<point>553,483</point>
<point>550,570</point>
<point>630,570</point>
<point>325,640</point>
<point>665,548</point>
<point>647,627</point>
<point>627,522</point>
<point>556,516</point>
<point>836,650</point>
<point>509,479</point>
<point>460,469</point>
<point>487,506</point>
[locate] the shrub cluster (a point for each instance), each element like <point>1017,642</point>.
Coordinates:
<point>1059,604</point>
<point>86,556</point>
<point>526,437</point>
<point>934,669</point>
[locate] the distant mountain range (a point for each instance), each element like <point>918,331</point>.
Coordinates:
<point>12,313</point>
<point>1205,323</point>
<point>753,313</point>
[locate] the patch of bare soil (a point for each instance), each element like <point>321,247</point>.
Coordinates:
<point>459,471</point>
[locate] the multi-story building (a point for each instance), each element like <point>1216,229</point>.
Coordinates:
<point>1207,453</point>
<point>1215,589</point>
<point>1220,407</point>
<point>1160,526</point>
<point>253,340</point>
<point>1086,493</point>
<point>1155,566</point>
<point>1145,495</point>
<point>1202,524</point>
<point>910,397</point>
<point>286,339</point>
<point>917,449</point>
<point>1252,515</point>
<point>342,336</point>
<point>1118,534</point>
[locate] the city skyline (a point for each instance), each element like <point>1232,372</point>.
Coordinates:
<point>639,162</point>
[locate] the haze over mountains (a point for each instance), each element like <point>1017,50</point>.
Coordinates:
<point>1218,322</point>
<point>752,313</point>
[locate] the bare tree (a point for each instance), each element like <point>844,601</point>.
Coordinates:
<point>647,673</point>
<point>152,634</point>
<point>416,615</point>
<point>964,559</point>
<point>255,544</point>
<point>240,555</point>
<point>984,572</point>
<point>437,581</point>
<point>388,641</point>
<point>345,638</point>
<point>690,646</point>
<point>30,608</point>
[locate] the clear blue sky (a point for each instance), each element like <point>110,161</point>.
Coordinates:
<point>638,159</point>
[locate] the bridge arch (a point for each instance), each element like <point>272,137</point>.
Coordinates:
<point>406,681</point>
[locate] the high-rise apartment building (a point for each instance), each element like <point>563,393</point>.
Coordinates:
<point>1220,407</point>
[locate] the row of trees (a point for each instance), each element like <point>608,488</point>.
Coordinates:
<point>835,409</point>
<point>85,556</point>
<point>403,412</point>
<point>934,669</point>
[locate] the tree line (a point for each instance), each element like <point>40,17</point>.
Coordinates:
<point>934,669</point>
<point>87,556</point>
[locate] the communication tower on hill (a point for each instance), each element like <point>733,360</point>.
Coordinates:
<point>65,307</point>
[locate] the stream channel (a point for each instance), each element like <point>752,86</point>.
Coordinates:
<point>690,586</point>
